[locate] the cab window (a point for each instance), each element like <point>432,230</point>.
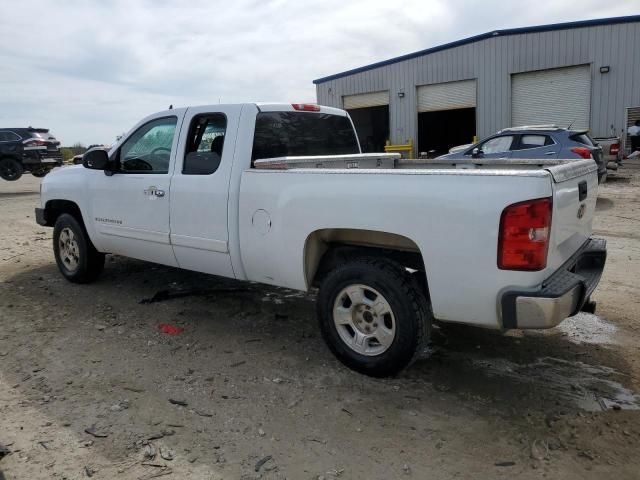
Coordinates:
<point>205,144</point>
<point>148,149</point>
<point>282,134</point>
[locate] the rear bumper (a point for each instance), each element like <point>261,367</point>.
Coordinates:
<point>51,161</point>
<point>46,158</point>
<point>562,295</point>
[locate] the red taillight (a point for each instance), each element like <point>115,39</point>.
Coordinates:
<point>523,239</point>
<point>34,142</point>
<point>584,152</point>
<point>614,149</point>
<point>306,107</point>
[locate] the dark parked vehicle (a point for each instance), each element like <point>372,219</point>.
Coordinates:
<point>536,141</point>
<point>30,149</point>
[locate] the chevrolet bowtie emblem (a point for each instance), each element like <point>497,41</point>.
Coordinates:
<point>581,210</point>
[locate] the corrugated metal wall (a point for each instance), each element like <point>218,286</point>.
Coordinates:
<point>447,96</point>
<point>492,62</point>
<point>559,95</point>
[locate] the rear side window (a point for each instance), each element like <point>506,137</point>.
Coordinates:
<point>583,138</point>
<point>8,137</point>
<point>534,141</point>
<point>205,144</point>
<point>288,134</point>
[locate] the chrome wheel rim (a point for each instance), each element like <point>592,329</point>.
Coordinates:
<point>364,320</point>
<point>69,249</point>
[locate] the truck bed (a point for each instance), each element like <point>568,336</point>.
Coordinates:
<point>394,161</point>
<point>449,211</point>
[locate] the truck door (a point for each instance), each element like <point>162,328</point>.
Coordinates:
<point>200,189</point>
<point>130,208</point>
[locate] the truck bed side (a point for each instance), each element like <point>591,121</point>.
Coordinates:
<point>451,216</point>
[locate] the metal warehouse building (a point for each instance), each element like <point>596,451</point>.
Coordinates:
<point>585,74</point>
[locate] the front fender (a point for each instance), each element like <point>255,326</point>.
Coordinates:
<point>70,184</point>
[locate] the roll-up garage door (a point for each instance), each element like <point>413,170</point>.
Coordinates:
<point>561,96</point>
<point>362,100</point>
<point>447,96</point>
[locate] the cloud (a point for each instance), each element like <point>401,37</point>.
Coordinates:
<point>90,70</point>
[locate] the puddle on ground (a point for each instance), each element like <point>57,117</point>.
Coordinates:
<point>588,328</point>
<point>589,387</point>
<point>279,295</point>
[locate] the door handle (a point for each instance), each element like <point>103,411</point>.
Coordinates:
<point>551,153</point>
<point>159,193</point>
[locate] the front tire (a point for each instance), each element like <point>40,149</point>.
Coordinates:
<point>77,258</point>
<point>10,169</point>
<point>373,316</point>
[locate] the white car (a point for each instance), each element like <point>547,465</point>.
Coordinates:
<point>280,194</point>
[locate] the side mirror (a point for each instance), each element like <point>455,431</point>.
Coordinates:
<point>476,152</point>
<point>97,159</point>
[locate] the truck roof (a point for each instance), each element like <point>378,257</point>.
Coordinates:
<point>543,128</point>
<point>293,107</point>
<point>27,129</point>
<point>271,107</point>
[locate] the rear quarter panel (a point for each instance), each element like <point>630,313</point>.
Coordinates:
<point>453,217</point>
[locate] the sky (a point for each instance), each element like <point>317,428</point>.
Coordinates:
<point>89,70</point>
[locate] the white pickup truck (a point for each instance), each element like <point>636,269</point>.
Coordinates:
<point>280,194</point>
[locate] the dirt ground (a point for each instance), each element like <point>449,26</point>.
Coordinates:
<point>90,388</point>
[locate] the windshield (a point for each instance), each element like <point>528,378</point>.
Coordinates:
<point>286,134</point>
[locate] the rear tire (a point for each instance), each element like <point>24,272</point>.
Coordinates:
<point>77,258</point>
<point>10,169</point>
<point>373,316</point>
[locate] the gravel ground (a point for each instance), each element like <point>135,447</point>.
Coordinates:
<point>90,388</point>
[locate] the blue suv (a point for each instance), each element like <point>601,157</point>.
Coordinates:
<point>536,141</point>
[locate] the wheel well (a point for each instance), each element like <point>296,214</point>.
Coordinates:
<point>327,248</point>
<point>55,208</point>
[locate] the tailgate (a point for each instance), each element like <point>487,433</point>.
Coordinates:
<point>575,191</point>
